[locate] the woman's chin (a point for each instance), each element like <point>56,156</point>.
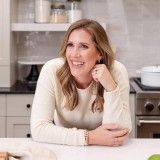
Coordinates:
<point>76,74</point>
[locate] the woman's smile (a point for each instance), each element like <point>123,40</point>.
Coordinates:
<point>77,63</point>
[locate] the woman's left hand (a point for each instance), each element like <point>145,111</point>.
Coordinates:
<point>100,73</point>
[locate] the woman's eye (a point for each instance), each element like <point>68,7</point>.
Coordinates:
<point>84,46</point>
<point>69,45</point>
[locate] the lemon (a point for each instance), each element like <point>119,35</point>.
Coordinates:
<point>154,157</point>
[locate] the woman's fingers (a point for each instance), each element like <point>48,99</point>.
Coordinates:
<point>118,141</point>
<point>108,134</point>
<point>97,72</point>
<point>110,126</point>
<point>120,136</point>
<point>120,133</point>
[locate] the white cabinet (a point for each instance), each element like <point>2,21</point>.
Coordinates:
<point>18,127</point>
<point>2,115</point>
<point>2,105</point>
<point>19,105</point>
<point>3,127</point>
<point>132,109</point>
<point>5,62</point>
<point>15,110</point>
<point>18,115</point>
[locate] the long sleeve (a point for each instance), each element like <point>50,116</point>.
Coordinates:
<point>116,106</point>
<point>42,127</point>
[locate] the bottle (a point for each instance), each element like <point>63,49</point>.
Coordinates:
<point>58,13</point>
<point>74,13</point>
<point>42,11</point>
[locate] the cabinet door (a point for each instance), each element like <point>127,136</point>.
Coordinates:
<point>4,32</point>
<point>6,68</point>
<point>2,105</point>
<point>2,115</point>
<point>2,127</point>
<point>18,127</point>
<point>132,109</point>
<point>19,104</point>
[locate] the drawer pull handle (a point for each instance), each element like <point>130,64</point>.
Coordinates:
<point>148,121</point>
<point>28,106</point>
<point>28,135</point>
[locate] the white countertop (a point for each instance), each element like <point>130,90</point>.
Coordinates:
<point>133,149</point>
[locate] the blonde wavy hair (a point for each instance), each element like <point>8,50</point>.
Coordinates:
<point>102,45</point>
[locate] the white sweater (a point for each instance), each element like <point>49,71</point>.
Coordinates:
<point>69,126</point>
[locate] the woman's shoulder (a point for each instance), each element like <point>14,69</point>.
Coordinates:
<point>118,67</point>
<point>54,64</point>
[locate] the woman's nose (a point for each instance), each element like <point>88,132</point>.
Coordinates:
<point>75,52</point>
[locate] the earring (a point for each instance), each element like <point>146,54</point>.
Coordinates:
<point>100,61</point>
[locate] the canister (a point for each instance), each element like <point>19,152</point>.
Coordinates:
<point>58,13</point>
<point>75,12</point>
<point>42,11</point>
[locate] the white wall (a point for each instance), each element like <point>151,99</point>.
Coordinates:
<point>133,26</point>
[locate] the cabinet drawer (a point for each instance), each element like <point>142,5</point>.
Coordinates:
<point>2,127</point>
<point>19,105</point>
<point>2,105</point>
<point>18,127</point>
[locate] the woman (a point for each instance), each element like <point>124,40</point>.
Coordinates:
<point>82,98</point>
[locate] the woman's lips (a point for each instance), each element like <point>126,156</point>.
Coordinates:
<point>77,63</point>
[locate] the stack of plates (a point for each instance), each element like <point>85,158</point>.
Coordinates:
<point>33,60</point>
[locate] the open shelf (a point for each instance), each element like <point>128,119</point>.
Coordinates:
<point>39,27</point>
<point>56,27</point>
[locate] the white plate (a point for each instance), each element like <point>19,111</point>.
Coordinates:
<point>33,60</point>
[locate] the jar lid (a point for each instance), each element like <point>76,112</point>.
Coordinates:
<point>73,0</point>
<point>155,69</point>
<point>58,6</point>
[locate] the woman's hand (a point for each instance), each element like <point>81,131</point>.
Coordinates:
<point>100,73</point>
<point>108,134</point>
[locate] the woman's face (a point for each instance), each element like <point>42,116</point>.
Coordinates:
<point>81,54</point>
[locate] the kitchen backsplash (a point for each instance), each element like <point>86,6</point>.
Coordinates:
<point>132,25</point>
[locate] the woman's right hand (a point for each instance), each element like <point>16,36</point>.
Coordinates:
<point>108,134</point>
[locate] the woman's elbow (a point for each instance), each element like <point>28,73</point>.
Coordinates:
<point>35,132</point>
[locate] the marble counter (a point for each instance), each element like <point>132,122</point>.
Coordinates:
<point>133,149</point>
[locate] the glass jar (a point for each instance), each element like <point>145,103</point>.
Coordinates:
<point>74,13</point>
<point>26,11</point>
<point>58,13</point>
<point>42,11</point>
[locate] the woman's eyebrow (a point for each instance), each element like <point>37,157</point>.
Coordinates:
<point>79,42</point>
<point>84,43</point>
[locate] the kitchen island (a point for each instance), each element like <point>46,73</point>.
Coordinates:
<point>133,149</point>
